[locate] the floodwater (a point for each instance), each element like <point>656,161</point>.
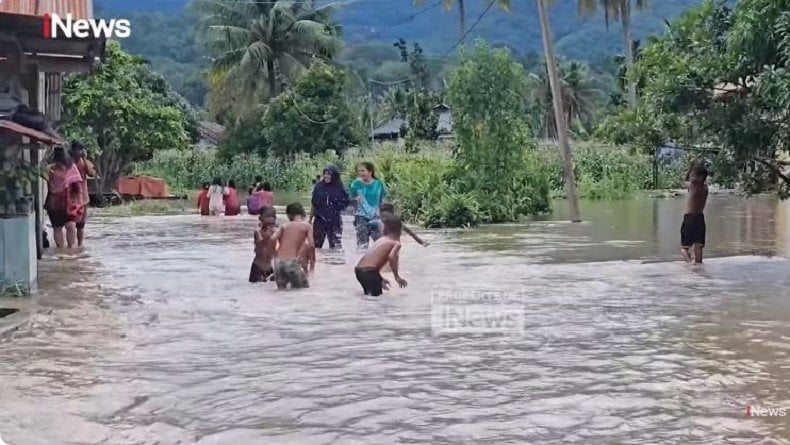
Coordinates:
<point>153,336</point>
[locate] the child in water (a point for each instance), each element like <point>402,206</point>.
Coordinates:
<point>261,269</point>
<point>388,209</point>
<point>292,237</point>
<point>307,257</point>
<point>692,231</point>
<point>384,251</point>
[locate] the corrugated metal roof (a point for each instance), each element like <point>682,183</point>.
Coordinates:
<point>389,127</point>
<point>80,9</point>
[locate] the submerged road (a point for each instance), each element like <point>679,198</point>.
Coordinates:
<point>157,338</point>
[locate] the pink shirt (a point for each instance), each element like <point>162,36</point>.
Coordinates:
<point>264,198</point>
<point>61,178</point>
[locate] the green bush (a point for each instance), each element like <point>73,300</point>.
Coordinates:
<point>187,170</point>
<point>603,171</point>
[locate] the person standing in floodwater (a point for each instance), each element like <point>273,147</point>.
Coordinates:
<point>232,206</point>
<point>64,203</point>
<point>328,201</point>
<point>86,168</point>
<point>216,197</point>
<point>368,192</point>
<point>202,199</point>
<point>692,231</point>
<point>291,238</point>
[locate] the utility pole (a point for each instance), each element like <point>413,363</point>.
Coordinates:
<point>370,98</point>
<point>559,116</point>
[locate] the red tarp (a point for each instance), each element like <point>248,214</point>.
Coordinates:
<point>145,186</point>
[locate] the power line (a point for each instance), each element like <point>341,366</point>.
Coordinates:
<point>299,110</point>
<point>468,31</point>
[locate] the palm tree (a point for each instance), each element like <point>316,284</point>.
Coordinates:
<point>272,40</point>
<point>559,116</point>
<point>579,95</point>
<point>618,10</point>
<point>448,5</point>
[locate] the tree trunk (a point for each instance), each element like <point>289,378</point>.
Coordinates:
<point>559,118</point>
<point>628,42</point>
<point>462,19</point>
<point>272,77</point>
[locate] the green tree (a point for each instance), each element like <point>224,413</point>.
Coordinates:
<point>579,97</point>
<point>315,116</point>
<point>618,10</point>
<point>271,41</point>
<point>123,112</point>
<point>724,75</point>
<point>486,91</point>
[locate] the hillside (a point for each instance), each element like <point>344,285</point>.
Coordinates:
<point>437,30</point>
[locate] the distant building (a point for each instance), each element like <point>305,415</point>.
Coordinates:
<point>394,129</point>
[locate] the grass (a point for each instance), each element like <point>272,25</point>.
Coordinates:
<point>14,291</point>
<point>148,207</point>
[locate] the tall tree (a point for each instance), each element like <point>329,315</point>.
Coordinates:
<point>579,95</point>
<point>618,10</point>
<point>562,128</point>
<point>448,5</point>
<point>271,40</point>
<point>123,112</point>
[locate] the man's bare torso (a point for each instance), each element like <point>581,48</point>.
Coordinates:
<point>292,238</point>
<point>378,255</point>
<point>697,198</point>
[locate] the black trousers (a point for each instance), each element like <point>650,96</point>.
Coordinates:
<point>323,230</point>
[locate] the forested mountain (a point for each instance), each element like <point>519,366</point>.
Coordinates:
<point>437,29</point>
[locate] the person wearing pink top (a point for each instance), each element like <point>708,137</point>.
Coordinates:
<point>232,206</point>
<point>65,196</point>
<point>264,196</point>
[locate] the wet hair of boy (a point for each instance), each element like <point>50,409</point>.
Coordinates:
<point>295,209</point>
<point>392,225</point>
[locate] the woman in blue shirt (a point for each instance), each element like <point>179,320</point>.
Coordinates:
<point>368,192</point>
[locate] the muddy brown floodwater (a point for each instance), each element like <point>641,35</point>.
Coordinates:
<point>155,337</point>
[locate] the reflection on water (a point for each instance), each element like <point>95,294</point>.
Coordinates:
<point>158,338</point>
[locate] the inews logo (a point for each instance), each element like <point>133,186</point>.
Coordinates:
<point>56,26</point>
<point>758,411</point>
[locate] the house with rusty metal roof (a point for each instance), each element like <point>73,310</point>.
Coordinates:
<point>32,64</point>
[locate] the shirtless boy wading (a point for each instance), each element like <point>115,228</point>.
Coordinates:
<point>386,250</point>
<point>692,232</point>
<point>292,237</point>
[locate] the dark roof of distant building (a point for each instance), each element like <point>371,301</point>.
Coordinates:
<point>390,127</point>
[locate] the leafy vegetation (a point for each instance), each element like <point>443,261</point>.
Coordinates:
<point>270,41</point>
<point>717,82</point>
<point>486,91</point>
<point>124,112</point>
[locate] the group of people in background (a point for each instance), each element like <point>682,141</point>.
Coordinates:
<point>67,194</point>
<point>216,199</point>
